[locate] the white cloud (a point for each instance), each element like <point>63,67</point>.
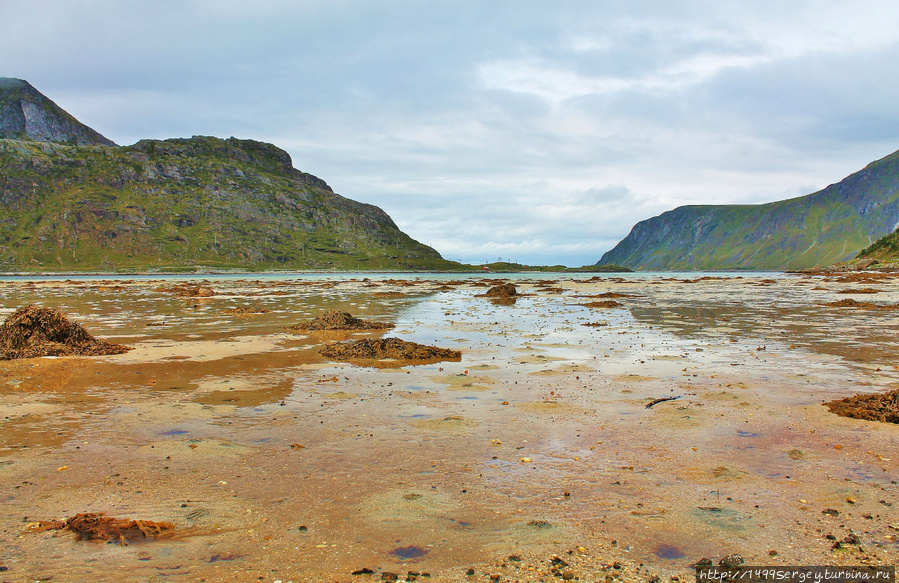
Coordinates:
<point>540,131</point>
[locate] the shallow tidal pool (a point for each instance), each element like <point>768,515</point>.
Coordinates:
<point>535,457</point>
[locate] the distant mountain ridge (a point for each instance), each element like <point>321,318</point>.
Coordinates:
<point>818,229</point>
<point>71,200</point>
<point>25,113</point>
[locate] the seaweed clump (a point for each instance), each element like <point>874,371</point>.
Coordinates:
<point>872,407</point>
<point>34,331</point>
<point>382,348</point>
<point>503,294</point>
<point>246,311</point>
<point>337,320</point>
<point>96,526</point>
<point>502,291</point>
<point>851,303</point>
<point>189,290</point>
<point>602,304</point>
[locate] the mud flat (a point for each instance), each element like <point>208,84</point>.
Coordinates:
<point>689,423</point>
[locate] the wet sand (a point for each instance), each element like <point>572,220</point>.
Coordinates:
<point>277,464</point>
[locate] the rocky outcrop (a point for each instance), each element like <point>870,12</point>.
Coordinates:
<point>25,113</point>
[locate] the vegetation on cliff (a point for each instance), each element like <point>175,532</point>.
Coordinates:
<point>884,250</point>
<point>71,200</point>
<point>183,203</point>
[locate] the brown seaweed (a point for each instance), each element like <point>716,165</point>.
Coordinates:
<point>337,320</point>
<point>34,331</point>
<point>872,407</point>
<point>394,348</point>
<point>96,526</point>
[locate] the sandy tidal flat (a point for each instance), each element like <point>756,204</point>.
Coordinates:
<point>276,464</point>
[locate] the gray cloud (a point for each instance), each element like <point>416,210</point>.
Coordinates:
<point>535,131</point>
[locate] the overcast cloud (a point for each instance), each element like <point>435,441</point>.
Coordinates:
<point>533,131</point>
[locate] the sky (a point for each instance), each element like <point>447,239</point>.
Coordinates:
<point>537,132</point>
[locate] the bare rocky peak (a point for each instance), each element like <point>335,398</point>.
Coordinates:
<point>25,113</point>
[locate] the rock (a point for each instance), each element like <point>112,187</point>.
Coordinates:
<point>731,561</point>
<point>26,113</point>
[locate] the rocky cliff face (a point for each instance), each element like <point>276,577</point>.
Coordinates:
<point>25,113</point>
<point>69,201</point>
<point>822,228</point>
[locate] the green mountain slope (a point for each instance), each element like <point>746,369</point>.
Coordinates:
<point>185,202</point>
<point>71,200</point>
<point>822,228</point>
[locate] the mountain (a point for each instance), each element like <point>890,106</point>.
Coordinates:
<point>78,203</point>
<point>25,113</point>
<point>822,228</point>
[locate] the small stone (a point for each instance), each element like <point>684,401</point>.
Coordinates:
<point>831,511</point>
<point>731,561</point>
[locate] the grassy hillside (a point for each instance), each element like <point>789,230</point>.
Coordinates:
<point>826,227</point>
<point>185,203</point>
<point>885,250</point>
